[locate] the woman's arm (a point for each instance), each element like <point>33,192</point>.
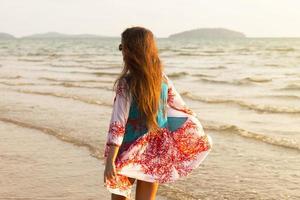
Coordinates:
<point>175,100</point>
<point>110,168</point>
<point>116,131</point>
<point>112,153</point>
<point>119,116</point>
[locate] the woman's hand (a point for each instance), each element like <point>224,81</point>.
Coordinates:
<point>110,171</point>
<point>110,168</point>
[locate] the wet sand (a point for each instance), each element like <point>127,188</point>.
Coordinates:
<point>37,166</point>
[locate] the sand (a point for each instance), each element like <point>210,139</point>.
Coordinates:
<point>39,166</point>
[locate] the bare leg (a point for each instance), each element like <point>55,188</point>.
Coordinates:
<point>120,197</point>
<point>145,190</point>
<point>117,197</point>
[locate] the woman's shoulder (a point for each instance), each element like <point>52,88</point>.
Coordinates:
<point>165,77</point>
<point>122,86</point>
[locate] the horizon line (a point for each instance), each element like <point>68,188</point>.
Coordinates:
<point>114,36</point>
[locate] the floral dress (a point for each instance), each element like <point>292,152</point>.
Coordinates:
<point>163,156</point>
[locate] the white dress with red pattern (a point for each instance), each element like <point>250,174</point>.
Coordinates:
<point>163,156</point>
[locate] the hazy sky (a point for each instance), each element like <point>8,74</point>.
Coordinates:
<point>256,18</point>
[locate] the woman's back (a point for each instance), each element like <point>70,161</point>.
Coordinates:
<point>136,124</point>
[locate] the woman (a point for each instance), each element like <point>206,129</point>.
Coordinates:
<point>153,136</point>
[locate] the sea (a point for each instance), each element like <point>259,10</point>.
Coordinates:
<point>56,100</point>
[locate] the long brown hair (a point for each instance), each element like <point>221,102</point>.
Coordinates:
<point>144,69</point>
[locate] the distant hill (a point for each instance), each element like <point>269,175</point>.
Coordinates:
<point>6,36</point>
<point>62,35</point>
<point>208,33</point>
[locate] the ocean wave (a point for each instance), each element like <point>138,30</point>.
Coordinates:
<point>295,97</point>
<point>292,86</point>
<point>64,66</point>
<point>52,79</point>
<point>167,49</point>
<point>217,81</point>
<point>105,73</point>
<point>16,84</point>
<point>202,53</point>
<point>242,50</point>
<point>109,66</point>
<point>243,104</point>
<point>30,60</point>
<point>59,135</point>
<point>281,49</point>
<point>213,51</point>
<point>173,50</point>
<point>177,74</point>
<point>83,66</point>
<point>94,60</point>
<point>274,140</point>
<point>190,47</point>
<point>217,67</point>
<point>83,61</point>
<point>203,75</point>
<point>76,72</point>
<point>73,55</point>
<point>232,82</point>
<point>272,65</point>
<point>65,96</point>
<point>76,81</point>
<point>82,72</point>
<point>57,71</point>
<point>255,79</point>
<point>10,77</point>
<point>196,54</point>
<point>74,85</point>
<point>79,66</point>
<point>243,81</point>
<point>38,54</point>
<point>64,84</point>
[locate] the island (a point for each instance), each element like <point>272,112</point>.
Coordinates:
<point>207,33</point>
<point>6,36</point>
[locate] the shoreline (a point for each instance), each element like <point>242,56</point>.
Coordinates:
<point>35,165</point>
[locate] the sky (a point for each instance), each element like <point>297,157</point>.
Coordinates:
<point>255,18</point>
